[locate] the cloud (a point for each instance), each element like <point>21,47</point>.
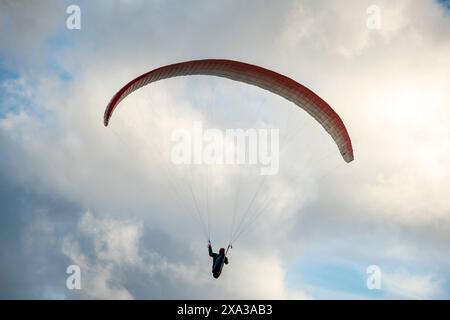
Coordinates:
<point>112,255</point>
<point>411,286</point>
<point>114,244</point>
<point>129,233</point>
<point>27,28</point>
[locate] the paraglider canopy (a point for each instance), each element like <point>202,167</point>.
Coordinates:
<point>263,78</point>
<point>254,75</point>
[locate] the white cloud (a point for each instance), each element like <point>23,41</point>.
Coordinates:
<point>412,286</point>
<point>390,87</point>
<point>116,245</point>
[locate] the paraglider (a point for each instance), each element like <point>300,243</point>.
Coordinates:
<point>266,79</point>
<point>219,259</point>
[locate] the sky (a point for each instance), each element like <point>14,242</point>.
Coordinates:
<point>73,192</point>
